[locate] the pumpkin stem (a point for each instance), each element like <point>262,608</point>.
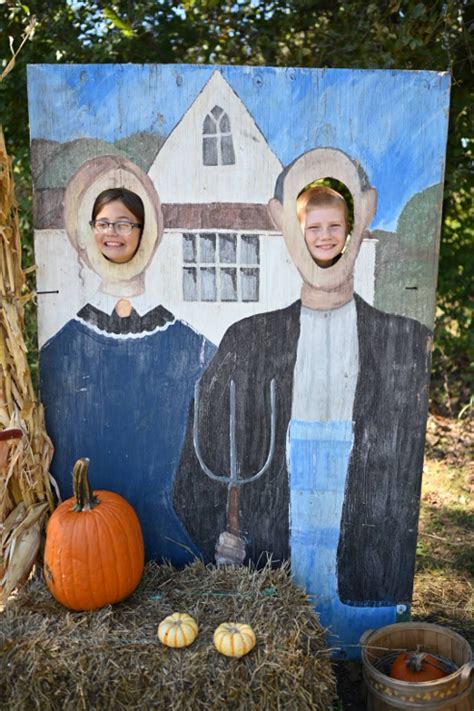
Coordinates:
<point>85,499</point>
<point>415,661</point>
<point>418,661</point>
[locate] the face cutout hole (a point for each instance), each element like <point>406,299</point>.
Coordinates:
<point>326,213</point>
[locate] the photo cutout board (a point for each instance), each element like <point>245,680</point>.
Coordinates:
<point>252,382</point>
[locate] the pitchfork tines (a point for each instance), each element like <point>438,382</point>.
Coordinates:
<point>232,479</point>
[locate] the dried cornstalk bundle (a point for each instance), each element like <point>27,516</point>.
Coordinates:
<point>25,449</point>
<point>112,658</point>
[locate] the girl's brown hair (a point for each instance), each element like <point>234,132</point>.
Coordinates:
<point>131,200</point>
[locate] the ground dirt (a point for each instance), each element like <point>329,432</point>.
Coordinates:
<point>444,578</point>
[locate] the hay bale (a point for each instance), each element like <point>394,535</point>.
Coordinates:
<point>112,659</point>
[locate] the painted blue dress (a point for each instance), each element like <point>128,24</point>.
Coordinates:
<point>122,400</point>
<point>320,440</point>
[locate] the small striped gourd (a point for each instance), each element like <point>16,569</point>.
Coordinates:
<point>234,639</point>
<point>178,630</point>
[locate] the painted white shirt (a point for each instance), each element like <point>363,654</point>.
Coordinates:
<point>327,364</point>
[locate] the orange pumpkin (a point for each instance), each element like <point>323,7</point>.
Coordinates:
<point>94,553</point>
<point>417,666</point>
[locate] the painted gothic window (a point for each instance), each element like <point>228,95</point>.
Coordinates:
<point>217,146</point>
<point>221,266</point>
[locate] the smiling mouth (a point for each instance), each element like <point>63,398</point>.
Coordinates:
<point>112,243</point>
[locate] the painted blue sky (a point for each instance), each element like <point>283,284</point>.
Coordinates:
<point>393,122</point>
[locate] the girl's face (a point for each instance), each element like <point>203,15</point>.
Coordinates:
<point>110,238</point>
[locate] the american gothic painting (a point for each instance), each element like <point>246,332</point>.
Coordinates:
<point>236,288</point>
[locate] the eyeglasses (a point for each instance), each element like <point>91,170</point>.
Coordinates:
<point>122,228</point>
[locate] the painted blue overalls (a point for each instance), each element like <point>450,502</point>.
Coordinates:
<point>319,443</point>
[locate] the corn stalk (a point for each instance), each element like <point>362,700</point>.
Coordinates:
<point>25,449</point>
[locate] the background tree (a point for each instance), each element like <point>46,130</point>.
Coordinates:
<point>406,34</point>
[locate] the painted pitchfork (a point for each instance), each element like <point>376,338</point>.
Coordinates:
<point>230,546</point>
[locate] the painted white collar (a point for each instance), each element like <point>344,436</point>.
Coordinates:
<point>106,302</point>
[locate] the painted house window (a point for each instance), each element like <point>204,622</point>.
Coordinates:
<point>217,146</point>
<point>221,266</point>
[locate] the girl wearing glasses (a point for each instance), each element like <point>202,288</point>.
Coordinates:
<point>117,379</point>
<point>118,217</point>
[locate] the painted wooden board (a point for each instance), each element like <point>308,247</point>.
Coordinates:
<point>315,453</point>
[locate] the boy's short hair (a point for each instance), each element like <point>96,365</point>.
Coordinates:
<point>320,196</point>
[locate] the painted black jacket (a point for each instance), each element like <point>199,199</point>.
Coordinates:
<point>376,551</point>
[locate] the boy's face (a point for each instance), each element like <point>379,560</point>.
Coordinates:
<point>325,232</point>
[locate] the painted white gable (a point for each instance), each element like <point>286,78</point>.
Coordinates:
<point>178,171</point>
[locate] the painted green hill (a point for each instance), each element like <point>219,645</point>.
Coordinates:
<point>55,163</point>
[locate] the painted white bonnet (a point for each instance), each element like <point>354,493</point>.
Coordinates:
<point>92,178</point>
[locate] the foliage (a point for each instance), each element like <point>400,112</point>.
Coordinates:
<point>401,34</point>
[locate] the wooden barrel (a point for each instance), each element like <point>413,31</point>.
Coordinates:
<point>453,692</point>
